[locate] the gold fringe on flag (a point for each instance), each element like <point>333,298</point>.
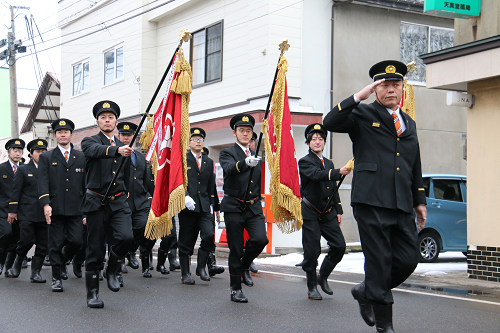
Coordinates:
<point>409,100</point>
<point>285,206</point>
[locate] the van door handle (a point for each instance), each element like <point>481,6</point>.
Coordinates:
<point>437,204</point>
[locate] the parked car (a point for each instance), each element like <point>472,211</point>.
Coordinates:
<point>446,226</point>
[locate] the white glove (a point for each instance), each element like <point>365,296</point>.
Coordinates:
<point>190,203</point>
<point>252,161</point>
<point>211,209</point>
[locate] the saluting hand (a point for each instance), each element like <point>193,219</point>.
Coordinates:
<point>125,151</point>
<point>47,211</point>
<point>421,212</point>
<point>368,90</point>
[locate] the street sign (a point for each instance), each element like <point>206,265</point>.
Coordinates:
<point>453,8</point>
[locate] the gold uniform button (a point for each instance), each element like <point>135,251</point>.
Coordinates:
<point>198,183</point>
<point>328,198</point>
<point>135,177</point>
<point>250,192</point>
<point>135,169</point>
<point>114,183</point>
<point>114,172</point>
<point>251,181</point>
<point>397,154</point>
<point>198,191</point>
<point>397,169</point>
<point>328,187</point>
<point>398,139</point>
<point>115,161</point>
<point>66,190</point>
<point>67,169</point>
<point>67,180</point>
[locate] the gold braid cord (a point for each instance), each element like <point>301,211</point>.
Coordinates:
<point>161,226</point>
<point>285,206</point>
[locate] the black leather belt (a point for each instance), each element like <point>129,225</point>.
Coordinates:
<point>110,197</point>
<point>251,201</point>
<point>310,205</point>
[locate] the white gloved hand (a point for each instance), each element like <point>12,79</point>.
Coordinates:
<point>252,161</point>
<point>211,209</point>
<point>190,203</point>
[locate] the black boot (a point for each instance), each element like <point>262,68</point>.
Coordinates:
<point>123,268</point>
<point>24,263</point>
<point>383,318</point>
<point>9,260</point>
<point>145,265</point>
<point>132,260</point>
<point>56,279</point>
<point>213,269</point>
<point>185,272</point>
<point>46,261</point>
<point>236,292</point>
<point>92,284</point>
<point>77,269</point>
<point>119,277</point>
<point>36,267</point>
<point>160,262</point>
<point>16,267</point>
<point>101,278</point>
<point>151,268</point>
<point>64,269</point>
<point>253,268</point>
<point>300,263</point>
<point>365,308</point>
<point>246,277</point>
<point>114,265</point>
<point>201,264</point>
<point>172,259</point>
<point>3,256</point>
<point>312,291</point>
<point>324,272</point>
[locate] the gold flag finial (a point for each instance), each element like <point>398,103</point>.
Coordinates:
<point>284,46</point>
<point>350,164</point>
<point>185,35</point>
<point>411,67</point>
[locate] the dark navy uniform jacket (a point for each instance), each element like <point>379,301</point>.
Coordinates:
<point>201,183</point>
<point>6,180</point>
<point>138,183</point>
<point>387,168</point>
<point>24,196</point>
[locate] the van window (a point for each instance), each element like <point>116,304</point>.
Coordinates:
<point>427,182</point>
<point>447,189</point>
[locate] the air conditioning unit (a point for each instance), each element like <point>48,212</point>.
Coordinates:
<point>41,132</point>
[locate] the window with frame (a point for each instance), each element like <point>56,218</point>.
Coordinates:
<point>113,64</point>
<point>447,189</point>
<point>80,77</point>
<point>417,39</point>
<point>206,54</point>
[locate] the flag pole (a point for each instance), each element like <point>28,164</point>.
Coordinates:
<point>331,197</point>
<point>283,47</point>
<point>183,37</point>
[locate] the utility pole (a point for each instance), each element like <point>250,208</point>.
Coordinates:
<point>12,47</point>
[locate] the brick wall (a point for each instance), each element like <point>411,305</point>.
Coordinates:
<point>484,263</point>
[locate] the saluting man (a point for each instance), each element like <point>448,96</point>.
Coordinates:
<point>138,180</point>
<point>25,207</point>
<point>242,210</point>
<point>9,233</point>
<point>387,187</point>
<point>113,218</point>
<point>61,175</point>
<point>318,178</point>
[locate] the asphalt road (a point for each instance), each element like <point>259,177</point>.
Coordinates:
<point>277,303</point>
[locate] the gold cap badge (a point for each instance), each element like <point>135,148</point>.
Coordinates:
<point>245,118</point>
<point>106,106</point>
<point>317,126</point>
<point>390,69</point>
<point>17,142</point>
<point>62,123</point>
<point>196,131</point>
<point>40,143</point>
<point>126,127</point>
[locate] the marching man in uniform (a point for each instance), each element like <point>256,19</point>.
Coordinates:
<point>318,179</point>
<point>387,187</point>
<point>242,210</point>
<point>113,218</point>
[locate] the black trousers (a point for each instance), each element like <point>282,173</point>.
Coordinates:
<point>64,232</point>
<point>139,221</point>
<point>312,230</point>
<point>389,241</point>
<point>9,235</point>
<point>33,233</point>
<point>170,242</point>
<point>79,257</point>
<point>102,223</point>
<point>256,228</point>
<point>190,223</point>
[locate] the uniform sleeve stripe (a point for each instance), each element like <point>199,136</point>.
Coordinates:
<point>329,173</point>
<point>13,203</point>
<point>107,150</point>
<point>43,196</point>
<point>340,108</point>
<point>237,166</point>
<point>421,189</point>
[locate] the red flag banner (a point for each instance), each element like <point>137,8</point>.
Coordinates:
<point>167,150</point>
<point>280,153</point>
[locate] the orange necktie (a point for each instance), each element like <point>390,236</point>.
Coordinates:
<point>247,152</point>
<point>15,168</point>
<point>321,158</point>
<point>111,142</point>
<point>66,156</point>
<point>198,161</point>
<point>399,130</point>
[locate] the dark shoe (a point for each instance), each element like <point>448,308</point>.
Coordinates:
<point>77,270</point>
<point>132,260</point>
<point>185,272</point>
<point>25,263</point>
<point>64,272</point>
<point>9,260</point>
<point>213,269</point>
<point>46,261</point>
<point>236,292</point>
<point>124,269</point>
<point>324,272</point>
<point>56,279</point>
<point>312,291</point>
<point>36,267</point>
<point>201,264</point>
<point>119,277</point>
<point>246,277</point>
<point>145,265</point>
<point>3,256</point>
<point>253,268</point>
<point>300,263</point>
<point>160,263</point>
<point>151,261</point>
<point>101,278</point>
<point>114,266</point>
<point>365,308</point>
<point>383,318</point>
<point>172,259</point>
<point>92,285</point>
<point>16,267</point>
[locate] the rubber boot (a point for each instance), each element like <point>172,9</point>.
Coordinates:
<point>253,268</point>
<point>77,269</point>
<point>56,279</point>
<point>3,256</point>
<point>383,318</point>
<point>16,267</point>
<point>160,262</point>
<point>114,265</point>
<point>9,260</point>
<point>324,272</point>
<point>64,269</point>
<point>185,272</point>
<point>213,269</point>
<point>236,292</point>
<point>145,265</point>
<point>132,260</point>
<point>172,259</point>
<point>365,308</point>
<point>92,285</point>
<point>312,291</point>
<point>246,277</point>
<point>202,263</point>
<point>36,267</point>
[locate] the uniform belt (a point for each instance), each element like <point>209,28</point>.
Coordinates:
<point>251,201</point>
<point>310,205</point>
<point>110,197</point>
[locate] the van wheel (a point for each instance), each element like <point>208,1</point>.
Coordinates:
<point>429,247</point>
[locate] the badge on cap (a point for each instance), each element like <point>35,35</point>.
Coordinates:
<point>62,123</point>
<point>196,131</point>
<point>17,142</point>
<point>106,106</point>
<point>317,127</point>
<point>390,69</point>
<point>40,143</point>
<point>245,118</point>
<point>126,127</point>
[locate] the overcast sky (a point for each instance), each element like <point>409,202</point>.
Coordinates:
<point>45,15</point>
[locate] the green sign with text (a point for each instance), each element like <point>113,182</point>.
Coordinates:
<point>455,9</point>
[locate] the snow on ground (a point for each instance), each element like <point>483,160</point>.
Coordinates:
<point>354,263</point>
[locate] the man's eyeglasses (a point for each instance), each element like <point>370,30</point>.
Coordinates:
<point>197,140</point>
